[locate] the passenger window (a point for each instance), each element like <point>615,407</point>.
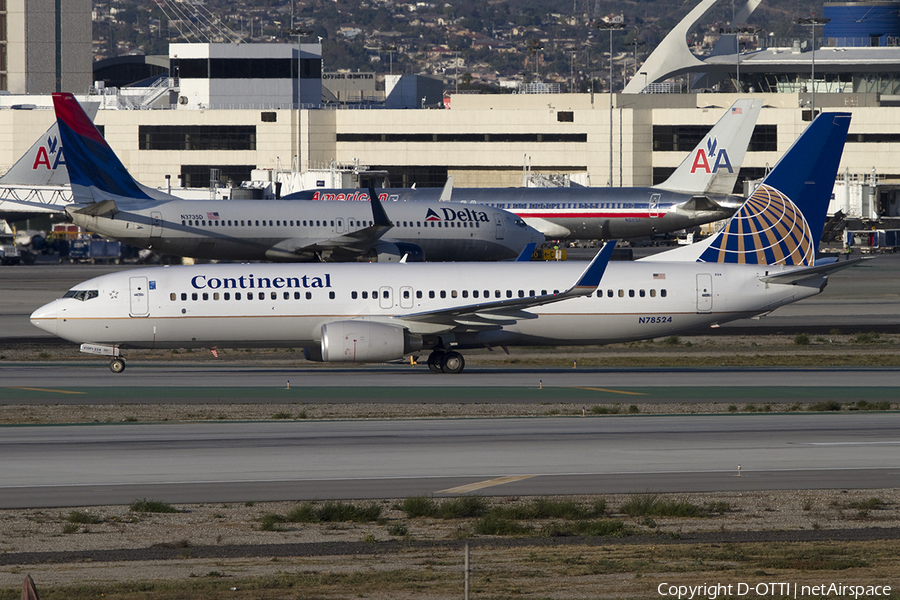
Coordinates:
<point>662,293</point>
<point>443,293</point>
<point>609,293</point>
<point>642,293</point>
<point>331,295</point>
<point>621,293</point>
<point>487,293</point>
<point>249,295</point>
<point>531,293</point>
<point>631,293</point>
<point>237,295</point>
<point>385,294</point>
<point>353,295</point>
<point>521,293</point>
<point>287,295</point>
<point>419,294</point>
<point>365,295</point>
<point>599,293</point>
<point>453,294</point>
<point>173,296</point>
<point>226,296</point>
<point>474,293</point>
<point>374,295</point>
<point>194,296</point>
<point>274,295</point>
<point>496,293</point>
<point>509,293</point>
<point>296,295</point>
<point>205,296</point>
<point>309,295</point>
<point>405,294</point>
<point>431,293</point>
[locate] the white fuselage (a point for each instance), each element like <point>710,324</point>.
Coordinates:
<point>298,230</point>
<point>272,305</point>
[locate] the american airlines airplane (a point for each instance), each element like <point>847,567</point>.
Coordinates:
<point>698,192</point>
<point>110,202</point>
<point>765,257</point>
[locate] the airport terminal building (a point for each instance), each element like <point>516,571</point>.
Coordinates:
<point>239,117</point>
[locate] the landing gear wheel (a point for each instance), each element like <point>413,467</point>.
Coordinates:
<point>117,365</point>
<point>452,363</point>
<point>434,361</point>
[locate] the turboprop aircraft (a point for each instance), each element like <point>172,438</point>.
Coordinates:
<point>765,257</point>
<point>110,202</point>
<point>698,192</point>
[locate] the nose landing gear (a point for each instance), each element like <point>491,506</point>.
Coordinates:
<point>117,365</point>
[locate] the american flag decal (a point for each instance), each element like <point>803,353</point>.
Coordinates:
<point>212,216</point>
<point>659,276</point>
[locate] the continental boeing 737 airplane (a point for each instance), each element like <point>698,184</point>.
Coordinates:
<point>698,192</point>
<point>765,257</point>
<point>110,202</point>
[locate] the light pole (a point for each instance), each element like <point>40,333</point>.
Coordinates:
<point>610,26</point>
<point>737,31</point>
<point>390,49</point>
<point>813,21</point>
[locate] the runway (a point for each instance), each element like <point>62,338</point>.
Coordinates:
<point>92,383</point>
<point>230,462</point>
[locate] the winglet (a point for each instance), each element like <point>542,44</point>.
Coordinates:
<point>378,215</point>
<point>448,190</point>
<point>591,277</point>
<point>527,252</point>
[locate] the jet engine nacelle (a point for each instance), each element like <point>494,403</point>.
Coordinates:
<point>365,341</point>
<point>395,251</point>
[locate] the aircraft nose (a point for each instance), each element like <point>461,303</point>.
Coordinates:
<point>46,317</point>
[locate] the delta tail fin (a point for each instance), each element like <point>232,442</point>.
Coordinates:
<point>781,222</point>
<point>95,171</point>
<point>712,167</point>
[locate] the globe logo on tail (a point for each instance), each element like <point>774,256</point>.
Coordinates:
<point>768,229</point>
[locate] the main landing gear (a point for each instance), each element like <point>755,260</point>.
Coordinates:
<point>446,362</point>
<point>117,365</point>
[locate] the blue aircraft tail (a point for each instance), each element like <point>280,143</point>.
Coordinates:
<point>781,223</point>
<point>89,159</point>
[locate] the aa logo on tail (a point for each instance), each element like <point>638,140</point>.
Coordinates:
<point>712,154</point>
<point>44,153</point>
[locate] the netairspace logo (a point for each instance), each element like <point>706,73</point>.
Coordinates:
<point>776,590</point>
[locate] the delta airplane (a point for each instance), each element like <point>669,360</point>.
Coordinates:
<point>765,257</point>
<point>698,192</point>
<point>110,202</point>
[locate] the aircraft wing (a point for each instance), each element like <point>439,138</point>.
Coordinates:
<point>493,315</point>
<point>344,245</point>
<point>795,276</point>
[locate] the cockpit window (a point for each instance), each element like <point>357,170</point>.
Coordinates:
<point>81,294</point>
<point>520,223</point>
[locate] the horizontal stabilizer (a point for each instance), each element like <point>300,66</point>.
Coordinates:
<point>796,276</point>
<point>104,208</point>
<point>700,204</point>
